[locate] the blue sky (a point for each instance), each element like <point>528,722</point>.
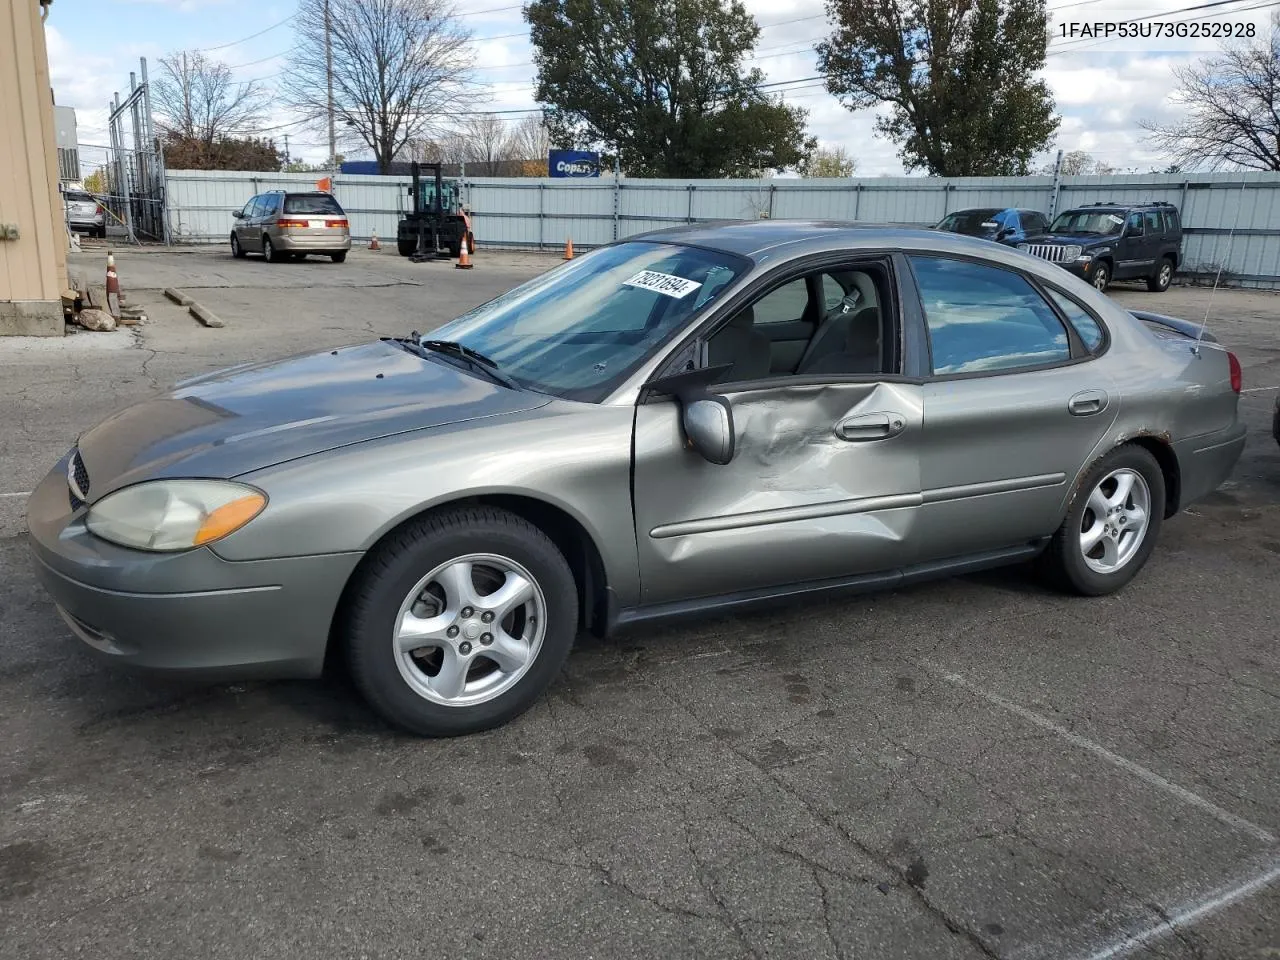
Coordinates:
<point>1102,90</point>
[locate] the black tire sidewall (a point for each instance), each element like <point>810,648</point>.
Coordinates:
<point>394,570</point>
<point>1157,285</point>
<point>1067,561</point>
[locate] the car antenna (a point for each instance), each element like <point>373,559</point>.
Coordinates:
<point>1231,235</point>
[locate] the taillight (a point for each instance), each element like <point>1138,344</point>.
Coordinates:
<point>336,223</point>
<point>99,212</point>
<point>287,224</point>
<point>1237,375</point>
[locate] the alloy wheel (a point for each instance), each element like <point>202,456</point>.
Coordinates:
<point>469,630</point>
<point>1115,520</point>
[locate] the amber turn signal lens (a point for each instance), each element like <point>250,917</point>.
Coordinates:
<point>229,518</point>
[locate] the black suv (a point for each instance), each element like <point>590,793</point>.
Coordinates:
<point>1102,242</point>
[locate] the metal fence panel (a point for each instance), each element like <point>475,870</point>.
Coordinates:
<point>1231,220</point>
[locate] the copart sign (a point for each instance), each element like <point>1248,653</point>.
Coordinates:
<point>573,163</point>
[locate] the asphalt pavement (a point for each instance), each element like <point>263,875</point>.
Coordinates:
<point>972,768</point>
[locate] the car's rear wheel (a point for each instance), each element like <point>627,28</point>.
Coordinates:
<point>459,621</point>
<point>1111,528</point>
<point>1101,275</point>
<point>339,257</point>
<point>237,251</point>
<point>269,251</point>
<point>1160,280</point>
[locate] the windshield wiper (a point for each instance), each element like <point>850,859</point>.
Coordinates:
<point>475,358</point>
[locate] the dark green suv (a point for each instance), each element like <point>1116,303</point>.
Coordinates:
<point>1102,242</point>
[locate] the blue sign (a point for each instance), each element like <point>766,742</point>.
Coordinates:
<point>573,163</point>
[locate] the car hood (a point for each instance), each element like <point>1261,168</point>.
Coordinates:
<point>1065,239</point>
<point>255,415</point>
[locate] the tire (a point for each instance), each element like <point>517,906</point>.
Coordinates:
<point>339,257</point>
<point>455,250</point>
<point>237,251</point>
<point>405,246</point>
<point>1067,562</point>
<point>1159,283</point>
<point>269,252</point>
<point>100,232</point>
<point>1101,276</point>
<point>416,574</point>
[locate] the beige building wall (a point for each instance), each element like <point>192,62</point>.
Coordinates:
<point>33,267</point>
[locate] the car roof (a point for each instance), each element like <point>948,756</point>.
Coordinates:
<point>754,238</point>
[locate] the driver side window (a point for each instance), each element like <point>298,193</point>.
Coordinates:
<point>831,322</point>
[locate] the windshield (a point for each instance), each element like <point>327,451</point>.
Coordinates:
<point>577,331</point>
<point>427,195</point>
<point>973,222</point>
<point>1088,221</point>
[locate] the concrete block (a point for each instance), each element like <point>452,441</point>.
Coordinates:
<point>31,318</point>
<point>178,297</point>
<point>205,316</point>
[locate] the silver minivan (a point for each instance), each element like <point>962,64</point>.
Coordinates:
<point>280,225</point>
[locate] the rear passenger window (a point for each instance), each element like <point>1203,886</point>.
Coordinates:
<point>1154,227</point>
<point>1084,324</point>
<point>983,318</point>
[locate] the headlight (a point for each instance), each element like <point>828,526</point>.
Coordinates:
<point>1084,258</point>
<point>167,515</point>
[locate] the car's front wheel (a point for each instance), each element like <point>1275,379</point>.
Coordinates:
<point>1111,528</point>
<point>459,621</point>
<point>1101,275</point>
<point>237,251</point>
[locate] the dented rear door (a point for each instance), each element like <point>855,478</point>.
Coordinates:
<point>825,483</point>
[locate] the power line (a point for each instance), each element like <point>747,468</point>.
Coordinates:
<point>233,43</point>
<point>251,63</point>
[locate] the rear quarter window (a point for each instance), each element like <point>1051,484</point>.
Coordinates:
<point>1088,329</point>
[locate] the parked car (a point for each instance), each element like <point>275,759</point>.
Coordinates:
<point>1009,226</point>
<point>1102,242</point>
<point>690,421</point>
<point>85,213</point>
<point>281,225</point>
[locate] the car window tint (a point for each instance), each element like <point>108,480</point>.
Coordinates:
<point>1134,226</point>
<point>1152,220</point>
<point>270,204</point>
<point>311,203</point>
<point>1087,327</point>
<point>785,304</point>
<point>983,318</point>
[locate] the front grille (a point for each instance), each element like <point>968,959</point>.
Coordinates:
<point>77,481</point>
<point>1053,252</point>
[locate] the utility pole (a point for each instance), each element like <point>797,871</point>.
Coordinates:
<point>328,67</point>
<point>286,149</point>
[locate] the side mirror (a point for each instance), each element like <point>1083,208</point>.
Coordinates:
<point>238,213</point>
<point>708,423</point>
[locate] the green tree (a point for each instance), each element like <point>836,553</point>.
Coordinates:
<point>662,83</point>
<point>829,162</point>
<point>958,75</point>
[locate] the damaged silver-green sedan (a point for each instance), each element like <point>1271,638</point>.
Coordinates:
<point>693,420</point>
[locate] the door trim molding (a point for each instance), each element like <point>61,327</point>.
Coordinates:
<point>837,508</point>
<point>761,518</point>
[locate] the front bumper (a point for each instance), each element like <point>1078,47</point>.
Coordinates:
<point>192,613</point>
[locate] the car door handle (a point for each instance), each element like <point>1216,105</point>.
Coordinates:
<point>871,426</point>
<point>1087,402</point>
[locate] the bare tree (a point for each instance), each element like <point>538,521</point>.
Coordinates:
<point>1233,109</point>
<point>1077,163</point>
<point>531,140</point>
<point>198,100</point>
<point>488,144</point>
<point>400,69</point>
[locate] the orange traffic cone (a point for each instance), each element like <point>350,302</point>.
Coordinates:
<point>568,248</point>
<point>113,286</point>
<point>464,255</point>
<point>373,242</point>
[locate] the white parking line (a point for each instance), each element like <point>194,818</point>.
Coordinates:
<point>1188,913</point>
<point>1259,389</point>
<point>24,493</point>
<point>1098,750</point>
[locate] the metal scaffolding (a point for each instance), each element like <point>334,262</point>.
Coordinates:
<point>135,168</point>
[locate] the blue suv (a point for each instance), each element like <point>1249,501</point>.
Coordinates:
<point>1009,226</point>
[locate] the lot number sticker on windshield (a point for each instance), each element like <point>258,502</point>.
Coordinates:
<point>1114,219</point>
<point>663,283</point>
